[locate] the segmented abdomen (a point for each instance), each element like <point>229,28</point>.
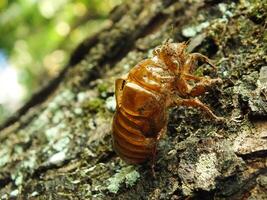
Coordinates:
<point>128,141</point>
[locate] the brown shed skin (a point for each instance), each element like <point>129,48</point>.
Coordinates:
<point>150,88</point>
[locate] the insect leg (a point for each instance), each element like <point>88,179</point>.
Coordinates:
<point>205,59</point>
<point>192,77</point>
<point>198,104</point>
<point>203,84</point>
<point>154,159</point>
<point>161,133</point>
<point>183,87</point>
<point>191,62</point>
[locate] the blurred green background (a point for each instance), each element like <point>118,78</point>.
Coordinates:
<point>36,39</point>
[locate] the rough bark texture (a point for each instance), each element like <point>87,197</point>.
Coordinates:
<point>61,148</point>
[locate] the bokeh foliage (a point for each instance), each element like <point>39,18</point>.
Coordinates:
<point>37,36</point>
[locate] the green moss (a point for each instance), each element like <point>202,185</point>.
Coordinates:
<point>94,104</point>
<point>57,117</point>
<point>4,157</point>
<point>61,144</point>
<point>258,11</point>
<point>194,30</point>
<point>131,178</point>
<point>78,111</point>
<point>127,175</point>
<point>103,87</point>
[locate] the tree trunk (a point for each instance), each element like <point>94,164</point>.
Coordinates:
<point>59,146</point>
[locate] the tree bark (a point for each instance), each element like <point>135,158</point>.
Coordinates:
<point>59,145</point>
